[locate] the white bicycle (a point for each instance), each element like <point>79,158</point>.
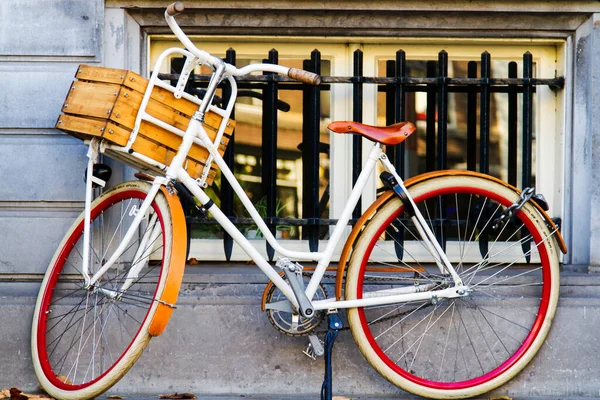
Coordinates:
<point>450,280</point>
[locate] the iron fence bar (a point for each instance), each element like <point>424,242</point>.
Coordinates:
<point>227,192</point>
<point>430,118</point>
<point>399,99</point>
<point>400,109</point>
<point>472,118</point>
<point>462,86</point>
<point>357,115</point>
<point>442,138</point>
<point>462,89</point>
<point>390,105</point>
<point>484,115</point>
<point>527,120</point>
<point>512,126</point>
<point>311,107</point>
<point>269,148</point>
<point>304,222</point>
<point>557,83</point>
<point>552,82</point>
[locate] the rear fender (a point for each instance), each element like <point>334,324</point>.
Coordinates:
<point>383,198</point>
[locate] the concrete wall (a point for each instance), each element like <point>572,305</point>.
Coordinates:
<point>43,41</point>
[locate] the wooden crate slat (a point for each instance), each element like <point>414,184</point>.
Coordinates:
<point>116,134</point>
<point>173,141</point>
<point>91,99</point>
<point>165,155</point>
<point>127,106</point>
<point>135,82</point>
<point>79,125</point>
<point>101,74</point>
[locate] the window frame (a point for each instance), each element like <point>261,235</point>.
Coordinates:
<point>549,60</point>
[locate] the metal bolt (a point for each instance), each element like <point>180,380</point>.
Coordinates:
<point>111,131</point>
<point>125,94</point>
<point>132,79</point>
<point>66,105</point>
<point>118,115</point>
<point>122,76</point>
<point>222,141</point>
<point>337,325</point>
<point>60,121</point>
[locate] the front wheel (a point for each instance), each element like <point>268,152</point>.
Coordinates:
<point>460,347</point>
<point>84,339</point>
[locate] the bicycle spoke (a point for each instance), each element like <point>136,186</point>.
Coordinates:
<point>465,340</point>
<point>91,328</point>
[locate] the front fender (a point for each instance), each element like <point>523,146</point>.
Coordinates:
<point>176,266</point>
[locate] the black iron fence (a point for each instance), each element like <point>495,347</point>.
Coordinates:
<point>478,87</point>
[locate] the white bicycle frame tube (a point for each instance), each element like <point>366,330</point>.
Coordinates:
<point>195,133</point>
<point>142,255</point>
<point>140,214</point>
<point>323,257</point>
<point>87,218</point>
<point>425,232</point>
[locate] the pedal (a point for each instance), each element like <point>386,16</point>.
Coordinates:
<point>315,347</point>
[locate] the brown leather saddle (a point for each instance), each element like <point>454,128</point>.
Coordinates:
<point>389,135</point>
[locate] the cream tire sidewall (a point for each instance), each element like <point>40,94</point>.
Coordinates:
<point>355,263</point>
<point>142,338</point>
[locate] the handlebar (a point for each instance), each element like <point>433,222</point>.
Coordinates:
<point>175,8</point>
<point>205,58</point>
<point>304,76</point>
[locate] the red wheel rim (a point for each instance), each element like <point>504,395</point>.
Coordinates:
<point>518,354</point>
<point>56,270</point>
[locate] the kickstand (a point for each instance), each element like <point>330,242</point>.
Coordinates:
<point>335,324</point>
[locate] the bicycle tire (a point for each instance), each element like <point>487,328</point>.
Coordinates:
<point>84,341</point>
<point>462,347</point>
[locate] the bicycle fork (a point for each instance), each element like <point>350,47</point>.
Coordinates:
<point>392,180</point>
<point>150,235</point>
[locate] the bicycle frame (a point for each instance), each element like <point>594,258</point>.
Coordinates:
<point>195,133</point>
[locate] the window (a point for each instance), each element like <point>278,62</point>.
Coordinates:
<point>336,165</point>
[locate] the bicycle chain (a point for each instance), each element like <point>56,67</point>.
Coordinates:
<point>346,328</point>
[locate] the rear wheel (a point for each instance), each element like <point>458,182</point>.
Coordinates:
<point>455,348</point>
<point>85,339</point>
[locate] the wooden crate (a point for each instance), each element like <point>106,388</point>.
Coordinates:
<point>103,102</point>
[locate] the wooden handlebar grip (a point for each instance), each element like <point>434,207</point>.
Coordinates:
<point>175,8</point>
<point>304,76</point>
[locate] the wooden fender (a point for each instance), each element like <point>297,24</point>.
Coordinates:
<point>176,266</point>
